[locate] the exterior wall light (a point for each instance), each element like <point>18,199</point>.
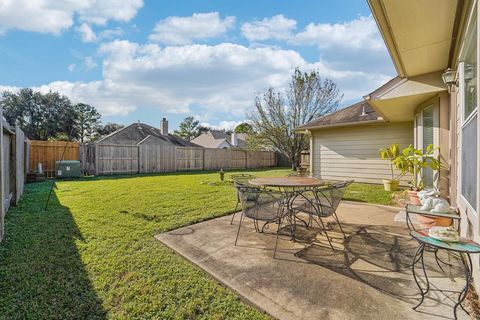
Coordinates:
<point>449,78</point>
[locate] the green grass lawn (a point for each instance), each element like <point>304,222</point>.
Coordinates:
<point>92,254</point>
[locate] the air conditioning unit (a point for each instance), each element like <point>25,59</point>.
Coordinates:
<point>68,169</point>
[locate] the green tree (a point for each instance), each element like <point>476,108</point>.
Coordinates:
<point>110,127</point>
<point>244,127</point>
<point>277,114</point>
<point>87,121</point>
<point>41,116</point>
<point>188,129</point>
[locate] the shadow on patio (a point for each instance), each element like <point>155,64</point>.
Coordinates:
<point>367,276</point>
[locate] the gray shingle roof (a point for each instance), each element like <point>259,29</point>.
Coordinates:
<point>136,132</point>
<point>357,113</point>
<point>215,138</point>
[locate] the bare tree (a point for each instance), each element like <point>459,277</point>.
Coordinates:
<point>277,114</point>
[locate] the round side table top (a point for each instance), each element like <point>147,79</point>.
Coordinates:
<point>464,245</point>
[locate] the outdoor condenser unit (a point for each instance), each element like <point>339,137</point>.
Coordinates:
<point>68,169</point>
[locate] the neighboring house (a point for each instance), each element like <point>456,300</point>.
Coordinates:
<point>140,133</point>
<point>221,140</point>
<point>433,45</point>
<point>345,144</point>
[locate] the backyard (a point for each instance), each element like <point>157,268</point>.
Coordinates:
<point>92,254</point>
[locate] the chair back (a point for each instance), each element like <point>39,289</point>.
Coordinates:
<point>242,179</point>
<point>324,201</point>
<point>262,204</point>
<point>335,193</point>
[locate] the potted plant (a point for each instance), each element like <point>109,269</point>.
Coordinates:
<point>391,153</point>
<point>415,161</point>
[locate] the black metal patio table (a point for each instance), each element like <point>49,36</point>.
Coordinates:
<point>291,187</point>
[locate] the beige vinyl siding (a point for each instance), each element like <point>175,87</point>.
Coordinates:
<point>352,152</point>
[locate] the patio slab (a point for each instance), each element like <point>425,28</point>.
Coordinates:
<point>368,276</point>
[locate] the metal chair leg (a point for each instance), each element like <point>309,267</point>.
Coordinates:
<point>239,225</point>
<point>326,233</point>
<point>338,221</point>
<point>235,212</point>
<point>278,234</point>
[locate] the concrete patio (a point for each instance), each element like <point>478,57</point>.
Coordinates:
<point>368,276</point>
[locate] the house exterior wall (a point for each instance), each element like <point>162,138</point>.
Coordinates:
<point>353,152</point>
<point>470,214</point>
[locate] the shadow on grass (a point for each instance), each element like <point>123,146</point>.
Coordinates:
<point>41,272</point>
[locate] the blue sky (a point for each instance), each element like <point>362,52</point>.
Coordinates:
<point>144,60</point>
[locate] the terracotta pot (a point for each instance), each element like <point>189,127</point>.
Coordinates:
<point>390,185</point>
<point>429,221</point>
<point>414,199</point>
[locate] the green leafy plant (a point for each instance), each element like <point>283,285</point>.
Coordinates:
<point>391,153</point>
<point>415,161</point>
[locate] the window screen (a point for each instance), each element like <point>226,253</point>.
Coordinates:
<point>427,124</point>
<point>469,161</point>
<point>470,72</point>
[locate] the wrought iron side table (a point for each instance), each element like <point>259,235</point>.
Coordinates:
<point>461,249</point>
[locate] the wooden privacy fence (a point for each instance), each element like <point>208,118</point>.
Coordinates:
<point>14,166</point>
<point>115,159</point>
<point>144,158</point>
<point>49,152</point>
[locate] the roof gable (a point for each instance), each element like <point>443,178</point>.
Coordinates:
<point>137,132</point>
<point>358,113</point>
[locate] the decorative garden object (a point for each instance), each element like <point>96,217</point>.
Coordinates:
<point>415,161</point>
<point>391,153</point>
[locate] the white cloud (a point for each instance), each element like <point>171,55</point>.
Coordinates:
<point>53,16</point>
<point>86,33</point>
<point>222,125</point>
<point>100,11</point>
<point>110,33</point>
<point>71,67</point>
<point>277,27</point>
<point>228,125</point>
<point>89,63</point>
<point>198,79</point>
<point>184,30</point>
<point>360,33</point>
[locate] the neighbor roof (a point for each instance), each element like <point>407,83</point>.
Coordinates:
<point>214,138</point>
<point>137,132</point>
<point>358,113</point>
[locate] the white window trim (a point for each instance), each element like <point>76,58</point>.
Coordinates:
<point>418,132</point>
<point>472,212</point>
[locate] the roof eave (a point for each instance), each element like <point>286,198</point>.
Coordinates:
<point>304,129</point>
<point>378,10</point>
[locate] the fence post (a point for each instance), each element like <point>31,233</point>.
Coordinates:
<point>2,177</point>
<point>175,159</point>
<point>138,159</point>
<point>246,159</point>
<point>203,159</point>
<point>95,151</point>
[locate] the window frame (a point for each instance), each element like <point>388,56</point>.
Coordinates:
<point>434,104</point>
<point>474,114</point>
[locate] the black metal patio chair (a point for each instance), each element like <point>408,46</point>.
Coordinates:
<point>320,203</point>
<point>263,205</point>
<point>239,182</point>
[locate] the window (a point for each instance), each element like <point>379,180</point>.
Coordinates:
<point>428,139</point>
<point>469,130</point>
<point>470,72</point>
<point>469,161</point>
